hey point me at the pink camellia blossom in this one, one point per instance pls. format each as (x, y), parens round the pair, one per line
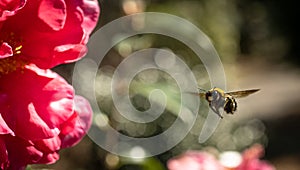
(39, 116)
(229, 160)
(47, 32)
(39, 113)
(251, 161)
(193, 160)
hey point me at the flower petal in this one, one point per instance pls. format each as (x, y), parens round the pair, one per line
(48, 145)
(194, 160)
(5, 50)
(58, 33)
(90, 14)
(3, 154)
(39, 107)
(83, 123)
(251, 159)
(21, 152)
(10, 7)
(4, 129)
(68, 53)
(49, 158)
(53, 13)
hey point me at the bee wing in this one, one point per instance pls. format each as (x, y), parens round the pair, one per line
(243, 93)
(202, 95)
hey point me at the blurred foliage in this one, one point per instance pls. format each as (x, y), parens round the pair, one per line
(239, 29)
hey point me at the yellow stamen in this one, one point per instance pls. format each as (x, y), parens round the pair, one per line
(15, 62)
(13, 40)
(18, 48)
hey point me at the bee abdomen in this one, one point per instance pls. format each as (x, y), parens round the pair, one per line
(230, 105)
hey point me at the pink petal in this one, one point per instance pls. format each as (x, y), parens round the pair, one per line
(49, 158)
(48, 145)
(21, 152)
(3, 154)
(5, 50)
(254, 152)
(69, 125)
(32, 125)
(68, 53)
(83, 123)
(4, 129)
(194, 160)
(39, 107)
(48, 49)
(184, 163)
(251, 159)
(10, 7)
(58, 30)
(53, 13)
(91, 13)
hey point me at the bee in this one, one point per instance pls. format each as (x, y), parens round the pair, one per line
(217, 99)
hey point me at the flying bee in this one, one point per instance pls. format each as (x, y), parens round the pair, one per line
(217, 99)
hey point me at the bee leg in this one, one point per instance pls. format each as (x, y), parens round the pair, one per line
(216, 111)
(220, 115)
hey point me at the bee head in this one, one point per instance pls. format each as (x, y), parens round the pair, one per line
(212, 95)
(208, 96)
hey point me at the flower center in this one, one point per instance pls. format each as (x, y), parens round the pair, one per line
(13, 40)
(12, 63)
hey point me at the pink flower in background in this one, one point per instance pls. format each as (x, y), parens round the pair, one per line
(198, 160)
(251, 161)
(39, 116)
(194, 160)
(47, 32)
